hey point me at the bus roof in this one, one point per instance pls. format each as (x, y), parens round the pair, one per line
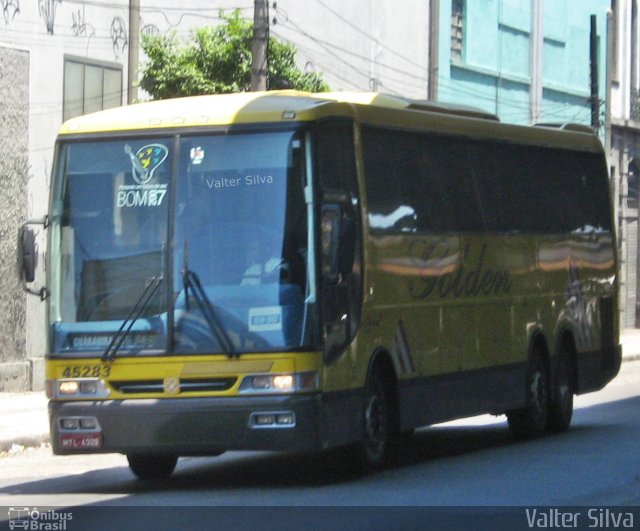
(220, 109)
(289, 105)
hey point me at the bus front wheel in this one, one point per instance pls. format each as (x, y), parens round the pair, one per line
(378, 421)
(149, 466)
(531, 421)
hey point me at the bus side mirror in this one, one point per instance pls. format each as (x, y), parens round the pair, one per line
(346, 246)
(28, 256)
(330, 233)
(338, 242)
(28, 250)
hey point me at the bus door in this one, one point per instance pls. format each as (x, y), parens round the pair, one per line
(340, 237)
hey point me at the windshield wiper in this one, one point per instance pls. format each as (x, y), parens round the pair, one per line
(141, 304)
(191, 280)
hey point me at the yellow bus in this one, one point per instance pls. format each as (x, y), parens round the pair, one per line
(294, 272)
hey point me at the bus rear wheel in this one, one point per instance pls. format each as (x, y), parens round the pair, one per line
(149, 466)
(561, 405)
(531, 421)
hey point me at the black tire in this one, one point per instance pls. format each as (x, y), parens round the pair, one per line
(378, 421)
(531, 421)
(561, 404)
(149, 466)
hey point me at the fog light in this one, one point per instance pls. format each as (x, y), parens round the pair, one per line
(264, 419)
(286, 419)
(69, 424)
(88, 423)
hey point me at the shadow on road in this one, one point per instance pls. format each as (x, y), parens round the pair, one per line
(234, 471)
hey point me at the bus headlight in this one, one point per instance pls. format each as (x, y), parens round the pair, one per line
(76, 388)
(280, 383)
(283, 382)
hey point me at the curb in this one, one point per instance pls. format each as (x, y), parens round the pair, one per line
(27, 441)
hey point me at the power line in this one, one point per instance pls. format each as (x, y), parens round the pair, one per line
(367, 35)
(295, 28)
(326, 48)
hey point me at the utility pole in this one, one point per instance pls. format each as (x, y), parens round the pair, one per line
(593, 55)
(609, 82)
(434, 36)
(259, 45)
(134, 50)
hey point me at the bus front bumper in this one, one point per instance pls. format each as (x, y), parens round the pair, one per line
(186, 426)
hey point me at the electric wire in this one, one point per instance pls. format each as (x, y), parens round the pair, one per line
(367, 35)
(520, 108)
(514, 109)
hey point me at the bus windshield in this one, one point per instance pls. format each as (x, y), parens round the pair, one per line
(198, 244)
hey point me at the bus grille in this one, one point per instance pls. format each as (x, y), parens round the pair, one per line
(195, 385)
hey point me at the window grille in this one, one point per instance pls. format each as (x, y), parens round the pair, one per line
(457, 20)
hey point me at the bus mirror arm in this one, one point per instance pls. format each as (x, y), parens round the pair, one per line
(28, 256)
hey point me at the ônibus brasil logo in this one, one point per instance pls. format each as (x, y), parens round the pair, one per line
(38, 520)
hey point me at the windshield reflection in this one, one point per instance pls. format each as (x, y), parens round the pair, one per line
(241, 229)
(108, 239)
(240, 235)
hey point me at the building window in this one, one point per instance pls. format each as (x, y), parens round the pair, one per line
(633, 179)
(90, 86)
(457, 21)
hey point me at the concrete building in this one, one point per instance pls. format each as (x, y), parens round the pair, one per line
(625, 146)
(14, 149)
(525, 60)
(57, 60)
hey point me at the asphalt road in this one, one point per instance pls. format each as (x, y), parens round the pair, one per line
(471, 463)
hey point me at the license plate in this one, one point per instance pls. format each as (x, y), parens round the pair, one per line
(81, 441)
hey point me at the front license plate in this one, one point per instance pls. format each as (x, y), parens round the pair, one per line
(81, 441)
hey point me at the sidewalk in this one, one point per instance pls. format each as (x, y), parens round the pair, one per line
(24, 420)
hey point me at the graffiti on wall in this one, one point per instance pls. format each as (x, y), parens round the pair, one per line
(80, 27)
(149, 30)
(10, 8)
(118, 33)
(47, 9)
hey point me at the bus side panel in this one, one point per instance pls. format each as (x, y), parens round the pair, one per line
(449, 396)
(447, 322)
(589, 302)
(595, 368)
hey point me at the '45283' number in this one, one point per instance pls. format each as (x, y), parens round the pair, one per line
(86, 371)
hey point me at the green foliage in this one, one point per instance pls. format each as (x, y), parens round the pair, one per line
(217, 60)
